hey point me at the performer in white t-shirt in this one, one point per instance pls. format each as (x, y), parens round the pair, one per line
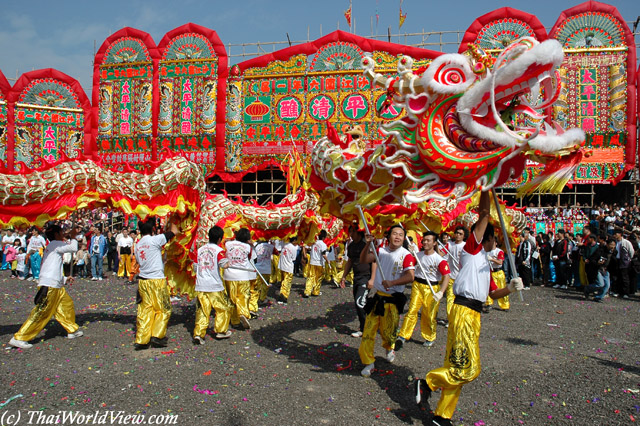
(154, 306)
(237, 276)
(471, 287)
(330, 266)
(316, 261)
(210, 292)
(263, 252)
(52, 298)
(286, 261)
(384, 308)
(496, 259)
(125, 253)
(437, 274)
(454, 250)
(275, 275)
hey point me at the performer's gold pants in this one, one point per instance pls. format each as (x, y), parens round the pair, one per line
(154, 310)
(500, 280)
(285, 288)
(331, 271)
(239, 294)
(205, 301)
(348, 278)
(275, 270)
(450, 297)
(305, 270)
(314, 280)
(258, 292)
(58, 303)
(126, 265)
(461, 361)
(388, 327)
(421, 298)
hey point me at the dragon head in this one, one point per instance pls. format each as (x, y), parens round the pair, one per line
(523, 79)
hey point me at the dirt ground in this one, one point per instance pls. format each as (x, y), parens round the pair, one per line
(553, 359)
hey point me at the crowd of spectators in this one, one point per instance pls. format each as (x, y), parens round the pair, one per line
(104, 238)
(603, 259)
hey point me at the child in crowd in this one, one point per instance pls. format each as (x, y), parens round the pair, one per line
(10, 252)
(81, 259)
(21, 262)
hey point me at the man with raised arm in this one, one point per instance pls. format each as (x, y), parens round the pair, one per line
(154, 306)
(471, 287)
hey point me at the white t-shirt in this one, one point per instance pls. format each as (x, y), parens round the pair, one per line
(496, 253)
(434, 265)
(238, 255)
(331, 254)
(394, 264)
(474, 279)
(149, 256)
(455, 250)
(125, 242)
(210, 258)
(317, 250)
(35, 243)
(21, 258)
(288, 257)
(51, 273)
(8, 239)
(263, 257)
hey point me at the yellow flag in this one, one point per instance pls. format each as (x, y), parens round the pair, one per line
(402, 18)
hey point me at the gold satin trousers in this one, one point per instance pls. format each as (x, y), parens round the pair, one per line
(388, 327)
(239, 293)
(205, 302)
(314, 280)
(461, 361)
(58, 303)
(421, 298)
(275, 270)
(154, 310)
(285, 288)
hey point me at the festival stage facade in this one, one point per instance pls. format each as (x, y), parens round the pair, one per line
(242, 123)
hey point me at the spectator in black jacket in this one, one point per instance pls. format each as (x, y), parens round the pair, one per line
(544, 248)
(523, 258)
(559, 257)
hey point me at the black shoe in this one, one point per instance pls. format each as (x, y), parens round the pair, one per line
(304, 296)
(158, 343)
(422, 390)
(140, 346)
(253, 315)
(440, 421)
(398, 345)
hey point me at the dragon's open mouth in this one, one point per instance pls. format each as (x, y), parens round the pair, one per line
(505, 106)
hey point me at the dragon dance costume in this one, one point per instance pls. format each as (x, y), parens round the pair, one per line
(52, 298)
(462, 358)
(383, 310)
(154, 306)
(210, 293)
(436, 268)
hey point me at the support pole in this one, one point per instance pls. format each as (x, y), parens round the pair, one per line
(373, 246)
(512, 262)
